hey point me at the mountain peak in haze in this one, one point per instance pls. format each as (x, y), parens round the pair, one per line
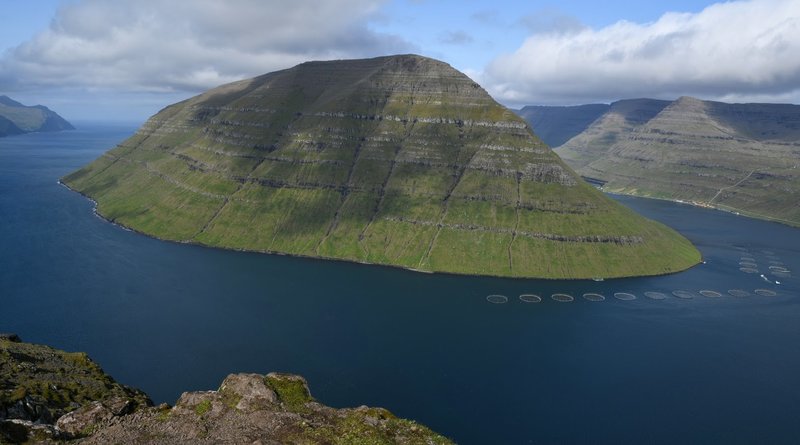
(16, 118)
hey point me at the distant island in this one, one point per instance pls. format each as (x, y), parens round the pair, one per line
(398, 160)
(53, 396)
(16, 118)
(743, 158)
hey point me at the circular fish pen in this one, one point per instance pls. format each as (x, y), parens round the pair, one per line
(739, 293)
(748, 269)
(710, 293)
(655, 295)
(497, 299)
(685, 294)
(530, 298)
(562, 298)
(765, 292)
(591, 296)
(624, 296)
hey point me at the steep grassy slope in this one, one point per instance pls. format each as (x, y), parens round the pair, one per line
(556, 125)
(739, 157)
(16, 118)
(607, 130)
(396, 160)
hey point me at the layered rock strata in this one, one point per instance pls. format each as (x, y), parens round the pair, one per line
(737, 157)
(398, 160)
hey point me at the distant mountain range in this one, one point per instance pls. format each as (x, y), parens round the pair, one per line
(16, 118)
(738, 157)
(398, 160)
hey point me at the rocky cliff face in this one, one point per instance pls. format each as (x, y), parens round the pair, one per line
(51, 396)
(739, 157)
(16, 118)
(397, 160)
(39, 385)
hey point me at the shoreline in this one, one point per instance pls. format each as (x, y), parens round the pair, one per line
(721, 208)
(353, 261)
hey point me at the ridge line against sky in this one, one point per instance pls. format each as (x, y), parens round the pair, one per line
(125, 59)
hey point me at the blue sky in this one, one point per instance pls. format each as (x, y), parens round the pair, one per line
(126, 59)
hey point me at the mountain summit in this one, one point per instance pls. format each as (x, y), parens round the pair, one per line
(398, 160)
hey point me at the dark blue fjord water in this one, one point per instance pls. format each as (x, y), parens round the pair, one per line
(166, 318)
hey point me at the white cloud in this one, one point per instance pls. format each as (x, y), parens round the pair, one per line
(189, 45)
(742, 49)
(455, 38)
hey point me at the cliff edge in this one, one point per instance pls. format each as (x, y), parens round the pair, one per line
(51, 396)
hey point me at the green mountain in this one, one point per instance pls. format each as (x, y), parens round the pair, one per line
(16, 118)
(397, 160)
(738, 157)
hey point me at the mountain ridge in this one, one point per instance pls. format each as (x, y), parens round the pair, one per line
(736, 157)
(396, 160)
(16, 118)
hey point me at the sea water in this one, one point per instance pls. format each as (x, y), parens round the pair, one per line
(168, 317)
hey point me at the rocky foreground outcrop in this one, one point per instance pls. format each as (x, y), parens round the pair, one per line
(51, 396)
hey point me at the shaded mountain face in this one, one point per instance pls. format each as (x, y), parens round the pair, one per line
(397, 160)
(608, 129)
(556, 125)
(16, 118)
(738, 157)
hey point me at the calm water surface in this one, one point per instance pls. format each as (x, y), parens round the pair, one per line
(166, 318)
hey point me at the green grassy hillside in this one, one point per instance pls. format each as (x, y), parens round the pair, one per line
(738, 157)
(398, 160)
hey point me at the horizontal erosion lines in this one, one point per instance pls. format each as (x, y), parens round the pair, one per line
(163, 127)
(146, 167)
(546, 172)
(425, 120)
(576, 209)
(606, 239)
(281, 159)
(243, 109)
